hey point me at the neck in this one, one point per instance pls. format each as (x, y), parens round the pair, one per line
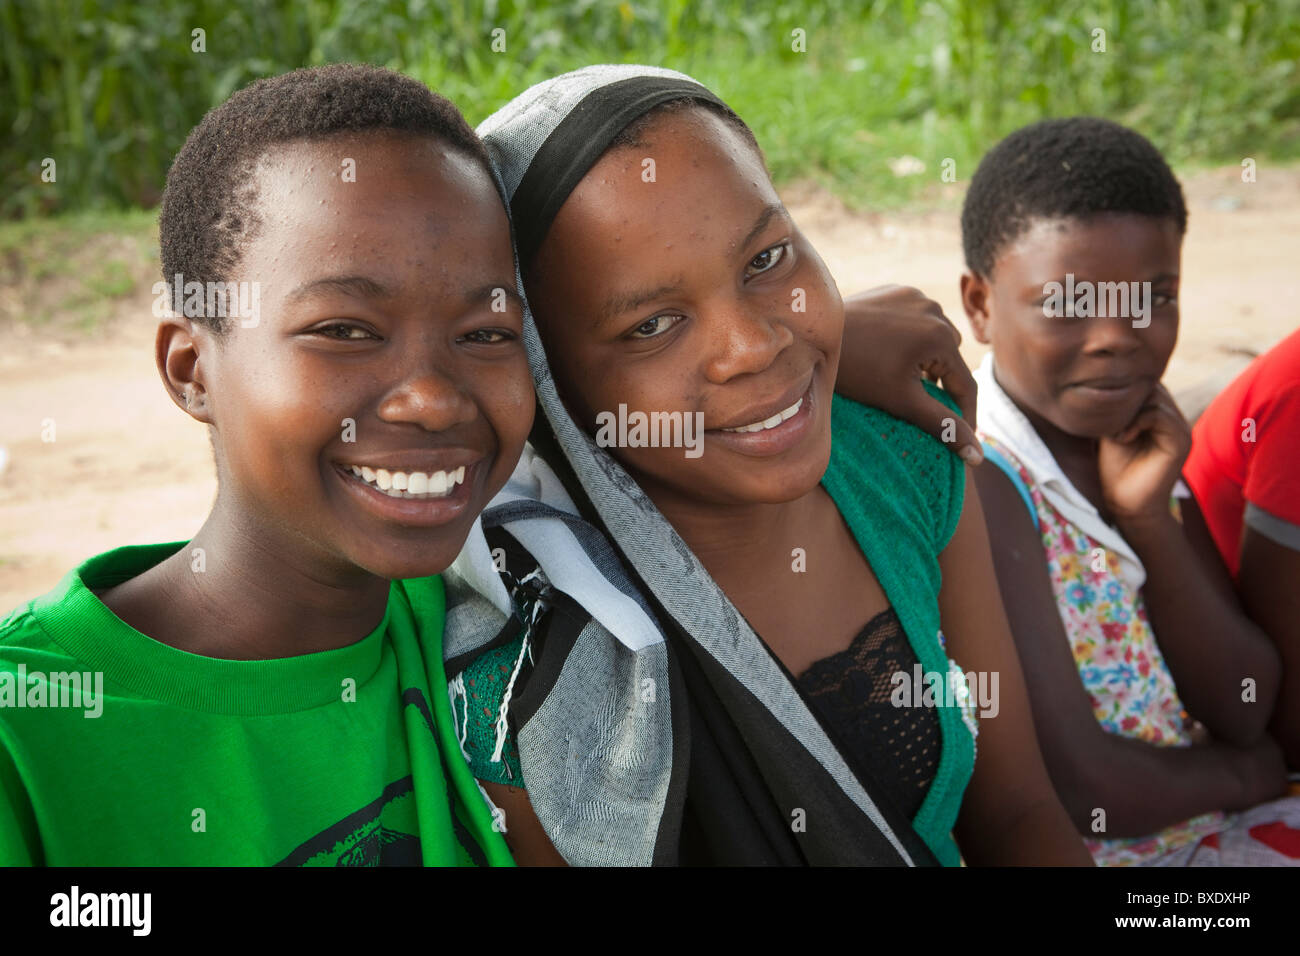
(737, 544)
(1076, 454)
(262, 595)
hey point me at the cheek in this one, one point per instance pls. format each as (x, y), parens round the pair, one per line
(571, 367)
(1037, 352)
(821, 319)
(669, 382)
(1045, 373)
(1049, 352)
(277, 422)
(591, 383)
(1167, 339)
(505, 394)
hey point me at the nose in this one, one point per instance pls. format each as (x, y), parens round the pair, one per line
(744, 343)
(430, 398)
(1111, 335)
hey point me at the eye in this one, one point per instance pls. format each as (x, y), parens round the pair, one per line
(344, 332)
(655, 325)
(489, 336)
(1159, 299)
(768, 259)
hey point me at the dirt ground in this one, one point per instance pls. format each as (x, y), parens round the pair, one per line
(127, 467)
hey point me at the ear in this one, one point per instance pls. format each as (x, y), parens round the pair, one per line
(975, 296)
(176, 352)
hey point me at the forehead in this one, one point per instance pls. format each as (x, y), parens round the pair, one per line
(1102, 244)
(363, 195)
(690, 174)
(347, 165)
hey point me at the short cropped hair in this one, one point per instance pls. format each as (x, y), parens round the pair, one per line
(209, 207)
(1063, 169)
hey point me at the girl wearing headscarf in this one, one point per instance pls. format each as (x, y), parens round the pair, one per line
(729, 652)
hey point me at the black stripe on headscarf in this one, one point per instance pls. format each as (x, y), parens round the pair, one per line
(577, 144)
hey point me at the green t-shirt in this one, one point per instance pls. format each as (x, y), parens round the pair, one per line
(150, 755)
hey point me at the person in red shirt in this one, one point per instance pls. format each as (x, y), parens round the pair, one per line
(1244, 469)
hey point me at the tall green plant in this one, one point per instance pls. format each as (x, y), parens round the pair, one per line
(109, 90)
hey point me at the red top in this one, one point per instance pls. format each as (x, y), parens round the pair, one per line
(1246, 448)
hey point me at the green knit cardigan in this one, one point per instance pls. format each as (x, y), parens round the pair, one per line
(901, 492)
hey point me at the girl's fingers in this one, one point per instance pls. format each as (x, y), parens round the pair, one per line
(944, 424)
(936, 310)
(1145, 420)
(958, 381)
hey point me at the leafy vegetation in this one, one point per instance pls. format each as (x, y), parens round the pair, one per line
(109, 90)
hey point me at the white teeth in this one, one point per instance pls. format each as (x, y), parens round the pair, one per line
(401, 484)
(772, 422)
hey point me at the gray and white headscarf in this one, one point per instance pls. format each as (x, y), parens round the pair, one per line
(608, 731)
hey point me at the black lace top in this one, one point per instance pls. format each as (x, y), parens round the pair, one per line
(850, 692)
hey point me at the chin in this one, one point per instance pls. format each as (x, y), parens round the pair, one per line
(779, 496)
(404, 562)
(779, 489)
(1097, 425)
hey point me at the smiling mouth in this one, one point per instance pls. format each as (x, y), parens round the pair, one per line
(766, 417)
(774, 435)
(412, 484)
(771, 422)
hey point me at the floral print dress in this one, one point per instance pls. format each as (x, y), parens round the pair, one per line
(1115, 650)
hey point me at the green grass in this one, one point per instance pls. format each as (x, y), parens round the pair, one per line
(109, 90)
(34, 237)
(72, 268)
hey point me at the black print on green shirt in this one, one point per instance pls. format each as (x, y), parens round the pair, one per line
(371, 836)
(368, 837)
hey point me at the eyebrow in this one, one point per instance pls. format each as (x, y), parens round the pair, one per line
(362, 287)
(764, 218)
(621, 302)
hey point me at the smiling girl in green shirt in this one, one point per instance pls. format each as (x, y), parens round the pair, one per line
(272, 690)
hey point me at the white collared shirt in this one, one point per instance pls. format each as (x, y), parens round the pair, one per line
(1002, 420)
